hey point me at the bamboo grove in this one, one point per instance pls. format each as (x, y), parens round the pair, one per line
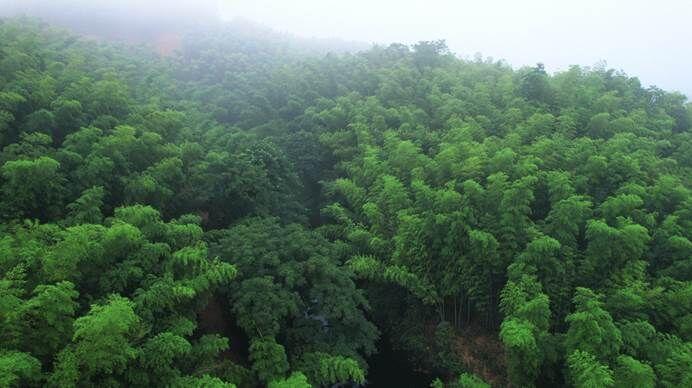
(254, 211)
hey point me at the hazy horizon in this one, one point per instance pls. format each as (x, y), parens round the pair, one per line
(644, 40)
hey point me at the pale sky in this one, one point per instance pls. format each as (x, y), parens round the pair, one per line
(648, 39)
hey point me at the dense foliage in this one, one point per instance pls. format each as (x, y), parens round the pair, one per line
(247, 213)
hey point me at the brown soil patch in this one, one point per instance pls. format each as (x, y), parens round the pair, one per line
(215, 318)
(483, 354)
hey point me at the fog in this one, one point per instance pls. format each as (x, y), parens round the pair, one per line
(646, 39)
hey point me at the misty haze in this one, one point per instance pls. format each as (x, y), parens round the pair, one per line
(643, 40)
(295, 194)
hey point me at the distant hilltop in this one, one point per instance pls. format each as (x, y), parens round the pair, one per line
(129, 12)
(159, 23)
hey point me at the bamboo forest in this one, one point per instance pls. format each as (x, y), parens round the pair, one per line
(250, 209)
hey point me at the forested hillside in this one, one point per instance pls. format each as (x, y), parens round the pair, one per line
(254, 212)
